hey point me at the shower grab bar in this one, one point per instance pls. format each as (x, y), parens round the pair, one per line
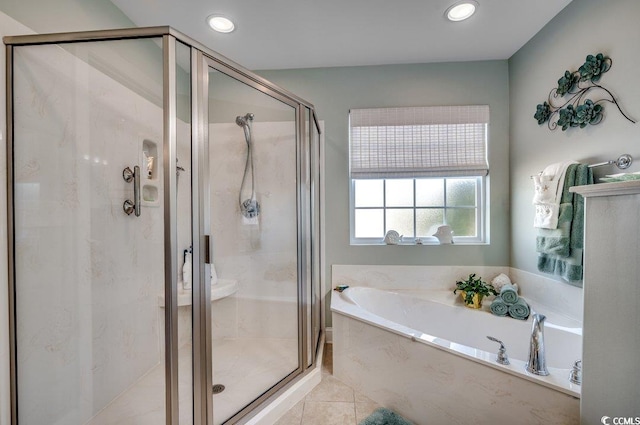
(128, 206)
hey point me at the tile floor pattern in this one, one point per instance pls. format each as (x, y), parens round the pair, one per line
(329, 403)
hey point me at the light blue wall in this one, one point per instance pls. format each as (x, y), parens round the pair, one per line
(335, 90)
(584, 27)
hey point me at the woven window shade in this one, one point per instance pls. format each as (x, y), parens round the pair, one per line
(419, 141)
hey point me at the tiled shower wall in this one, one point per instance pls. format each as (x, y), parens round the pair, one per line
(260, 254)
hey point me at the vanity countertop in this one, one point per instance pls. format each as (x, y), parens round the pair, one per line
(631, 187)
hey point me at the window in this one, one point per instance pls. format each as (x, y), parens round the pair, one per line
(414, 169)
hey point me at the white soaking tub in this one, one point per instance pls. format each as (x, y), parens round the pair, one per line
(426, 355)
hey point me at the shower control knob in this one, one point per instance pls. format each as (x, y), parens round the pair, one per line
(127, 174)
(128, 207)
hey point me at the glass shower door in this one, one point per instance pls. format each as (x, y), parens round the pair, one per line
(163, 203)
(253, 146)
(89, 232)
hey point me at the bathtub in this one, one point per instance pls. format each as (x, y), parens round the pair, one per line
(426, 355)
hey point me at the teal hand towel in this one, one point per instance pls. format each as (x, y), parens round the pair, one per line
(560, 250)
(509, 294)
(519, 310)
(499, 307)
(557, 241)
(383, 416)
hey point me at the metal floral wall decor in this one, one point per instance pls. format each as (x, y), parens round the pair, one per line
(569, 103)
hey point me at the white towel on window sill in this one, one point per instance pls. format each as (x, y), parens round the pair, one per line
(548, 187)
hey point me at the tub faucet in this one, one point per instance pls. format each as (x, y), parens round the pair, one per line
(537, 363)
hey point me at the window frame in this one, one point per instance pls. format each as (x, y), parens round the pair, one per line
(481, 213)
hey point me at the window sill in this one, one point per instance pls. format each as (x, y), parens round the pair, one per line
(412, 243)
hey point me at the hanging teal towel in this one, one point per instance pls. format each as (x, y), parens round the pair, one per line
(519, 310)
(509, 294)
(560, 250)
(499, 307)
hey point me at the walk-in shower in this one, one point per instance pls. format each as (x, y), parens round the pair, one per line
(103, 330)
(249, 207)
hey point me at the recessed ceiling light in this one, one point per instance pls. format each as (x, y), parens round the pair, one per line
(461, 10)
(220, 23)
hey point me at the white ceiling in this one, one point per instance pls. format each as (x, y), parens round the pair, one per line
(279, 34)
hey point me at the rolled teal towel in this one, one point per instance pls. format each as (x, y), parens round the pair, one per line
(499, 307)
(509, 294)
(519, 310)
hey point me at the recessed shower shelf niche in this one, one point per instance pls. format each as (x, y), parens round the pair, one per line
(150, 161)
(224, 288)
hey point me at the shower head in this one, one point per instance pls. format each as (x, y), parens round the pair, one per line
(243, 121)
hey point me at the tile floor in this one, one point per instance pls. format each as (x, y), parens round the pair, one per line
(331, 402)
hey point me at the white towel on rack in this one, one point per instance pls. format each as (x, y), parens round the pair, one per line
(546, 216)
(548, 187)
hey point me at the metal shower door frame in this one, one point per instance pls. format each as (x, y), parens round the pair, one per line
(251, 80)
(201, 59)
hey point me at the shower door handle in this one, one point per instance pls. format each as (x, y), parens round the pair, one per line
(132, 206)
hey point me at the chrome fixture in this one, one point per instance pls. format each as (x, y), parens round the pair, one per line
(132, 206)
(179, 169)
(244, 121)
(575, 376)
(250, 207)
(623, 162)
(217, 388)
(502, 351)
(537, 363)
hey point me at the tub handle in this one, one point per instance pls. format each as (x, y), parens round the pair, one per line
(502, 351)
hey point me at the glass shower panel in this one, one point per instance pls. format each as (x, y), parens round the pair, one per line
(89, 322)
(254, 228)
(183, 224)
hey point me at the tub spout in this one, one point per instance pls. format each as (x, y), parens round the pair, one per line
(537, 363)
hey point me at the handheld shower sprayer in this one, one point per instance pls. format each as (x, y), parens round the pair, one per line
(249, 207)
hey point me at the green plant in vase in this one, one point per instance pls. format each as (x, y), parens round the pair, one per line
(473, 289)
